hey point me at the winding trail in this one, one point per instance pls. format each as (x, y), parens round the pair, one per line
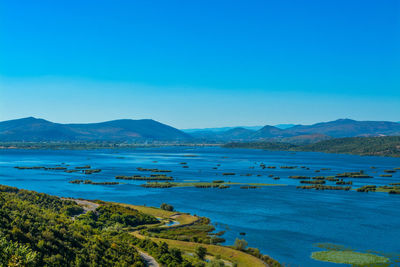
(149, 260)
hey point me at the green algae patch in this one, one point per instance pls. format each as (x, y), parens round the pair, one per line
(349, 257)
(202, 184)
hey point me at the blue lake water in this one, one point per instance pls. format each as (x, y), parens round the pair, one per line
(282, 221)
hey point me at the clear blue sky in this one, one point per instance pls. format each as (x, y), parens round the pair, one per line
(201, 63)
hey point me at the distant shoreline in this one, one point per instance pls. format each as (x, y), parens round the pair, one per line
(93, 145)
(385, 146)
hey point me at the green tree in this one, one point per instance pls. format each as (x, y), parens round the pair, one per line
(201, 252)
(14, 254)
(240, 244)
(167, 207)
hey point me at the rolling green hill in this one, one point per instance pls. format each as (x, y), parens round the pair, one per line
(37, 229)
(388, 146)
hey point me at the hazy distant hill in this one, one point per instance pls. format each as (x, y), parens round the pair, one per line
(268, 132)
(284, 126)
(234, 134)
(348, 128)
(303, 134)
(222, 129)
(32, 129)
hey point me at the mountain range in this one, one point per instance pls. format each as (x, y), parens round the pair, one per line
(303, 134)
(126, 130)
(32, 129)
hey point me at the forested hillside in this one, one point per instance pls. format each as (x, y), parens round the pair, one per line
(42, 230)
(388, 146)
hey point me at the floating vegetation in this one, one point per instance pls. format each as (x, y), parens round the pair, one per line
(158, 185)
(218, 181)
(389, 171)
(228, 173)
(151, 170)
(157, 170)
(93, 183)
(312, 182)
(340, 254)
(76, 181)
(318, 178)
(367, 188)
(341, 182)
(249, 187)
(359, 174)
(83, 167)
(299, 177)
(332, 179)
(288, 167)
(385, 175)
(393, 188)
(70, 171)
(207, 185)
(349, 257)
(90, 171)
(202, 185)
(29, 168)
(324, 187)
(325, 169)
(276, 178)
(246, 174)
(41, 168)
(160, 177)
(271, 167)
(271, 175)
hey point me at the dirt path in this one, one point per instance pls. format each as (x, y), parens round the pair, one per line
(86, 205)
(149, 260)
